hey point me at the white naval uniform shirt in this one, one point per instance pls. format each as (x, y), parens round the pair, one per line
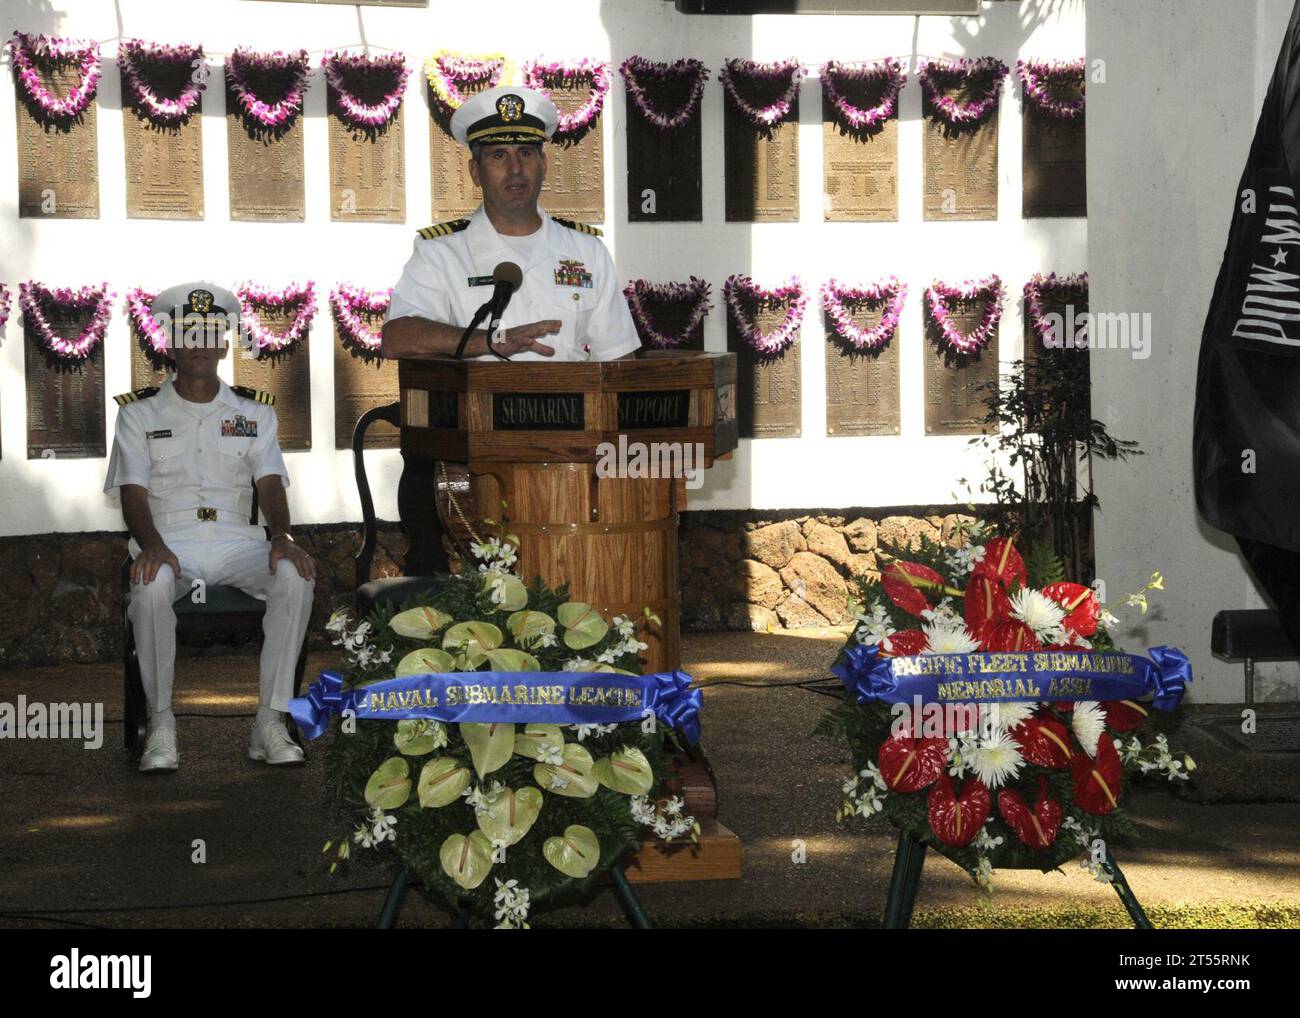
(192, 456)
(448, 277)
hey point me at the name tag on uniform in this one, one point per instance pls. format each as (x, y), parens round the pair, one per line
(165, 433)
(480, 280)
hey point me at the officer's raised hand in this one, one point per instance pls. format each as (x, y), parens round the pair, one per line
(283, 548)
(525, 337)
(145, 566)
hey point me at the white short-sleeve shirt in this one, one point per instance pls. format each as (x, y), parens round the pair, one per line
(191, 456)
(570, 277)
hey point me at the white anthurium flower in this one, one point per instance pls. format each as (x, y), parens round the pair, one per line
(996, 759)
(1088, 721)
(1038, 611)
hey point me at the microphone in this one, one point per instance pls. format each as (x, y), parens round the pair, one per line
(506, 279)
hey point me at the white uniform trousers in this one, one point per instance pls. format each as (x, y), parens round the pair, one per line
(220, 554)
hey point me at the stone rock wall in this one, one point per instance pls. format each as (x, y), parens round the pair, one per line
(764, 571)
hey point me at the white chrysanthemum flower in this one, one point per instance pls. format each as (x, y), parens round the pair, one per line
(945, 638)
(1038, 611)
(1005, 716)
(996, 759)
(1088, 721)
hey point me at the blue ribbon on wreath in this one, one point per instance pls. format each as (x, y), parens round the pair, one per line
(988, 676)
(556, 698)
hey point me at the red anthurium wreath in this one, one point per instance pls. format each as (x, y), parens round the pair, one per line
(349, 303)
(36, 300)
(346, 72)
(837, 298)
(141, 61)
(448, 73)
(742, 295)
(646, 76)
(1018, 783)
(255, 299)
(835, 75)
(739, 75)
(26, 51)
(1044, 81)
(937, 75)
(243, 64)
(940, 295)
(640, 292)
(537, 74)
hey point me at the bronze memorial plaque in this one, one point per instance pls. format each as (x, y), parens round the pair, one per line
(762, 167)
(164, 162)
(266, 163)
(961, 167)
(575, 179)
(58, 160)
(367, 170)
(286, 374)
(769, 401)
(1066, 307)
(147, 366)
(65, 399)
(663, 166)
(862, 394)
(1054, 164)
(453, 195)
(362, 380)
(860, 166)
(955, 384)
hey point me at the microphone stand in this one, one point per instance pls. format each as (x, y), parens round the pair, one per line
(479, 315)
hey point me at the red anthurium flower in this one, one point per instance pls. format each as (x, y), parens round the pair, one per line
(1038, 827)
(1011, 635)
(1097, 782)
(1003, 562)
(956, 819)
(1125, 715)
(1080, 604)
(984, 605)
(905, 584)
(904, 643)
(1044, 742)
(908, 765)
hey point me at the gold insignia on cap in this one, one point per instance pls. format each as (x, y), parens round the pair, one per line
(510, 108)
(201, 300)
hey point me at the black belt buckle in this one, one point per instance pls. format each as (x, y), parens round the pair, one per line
(208, 515)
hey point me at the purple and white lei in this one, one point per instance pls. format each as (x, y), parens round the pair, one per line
(25, 50)
(138, 302)
(446, 71)
(940, 294)
(349, 303)
(243, 62)
(255, 298)
(536, 73)
(890, 292)
(736, 71)
(340, 67)
(636, 68)
(696, 292)
(1037, 78)
(5, 298)
(1062, 287)
(935, 73)
(33, 298)
(889, 71)
(740, 290)
(136, 57)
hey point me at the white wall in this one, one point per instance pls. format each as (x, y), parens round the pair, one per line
(41, 496)
(1185, 87)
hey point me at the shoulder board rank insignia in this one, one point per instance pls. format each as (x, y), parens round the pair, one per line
(443, 229)
(138, 394)
(256, 395)
(580, 227)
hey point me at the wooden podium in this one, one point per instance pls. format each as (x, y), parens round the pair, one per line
(542, 438)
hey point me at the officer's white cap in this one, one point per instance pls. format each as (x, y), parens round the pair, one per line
(505, 115)
(176, 303)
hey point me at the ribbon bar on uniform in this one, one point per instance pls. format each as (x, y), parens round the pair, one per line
(557, 698)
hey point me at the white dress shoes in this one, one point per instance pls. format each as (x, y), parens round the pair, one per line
(271, 743)
(160, 750)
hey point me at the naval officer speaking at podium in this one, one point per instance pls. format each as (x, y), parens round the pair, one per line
(568, 306)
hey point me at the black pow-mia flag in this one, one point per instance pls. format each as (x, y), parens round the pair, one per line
(1246, 432)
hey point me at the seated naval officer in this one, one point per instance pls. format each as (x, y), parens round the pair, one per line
(569, 305)
(185, 457)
